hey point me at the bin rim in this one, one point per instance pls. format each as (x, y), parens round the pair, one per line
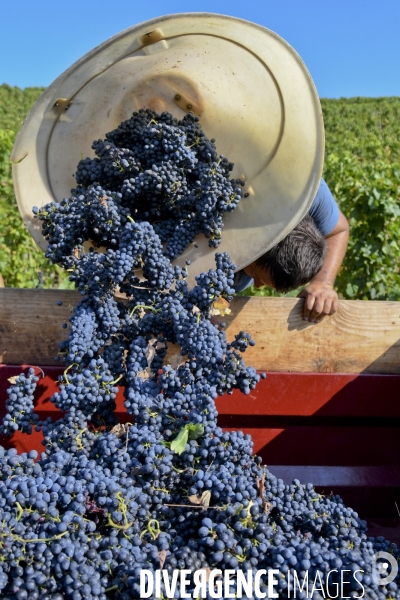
(281, 189)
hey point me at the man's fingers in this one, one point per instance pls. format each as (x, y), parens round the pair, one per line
(318, 304)
(326, 310)
(328, 307)
(318, 308)
(334, 306)
(308, 304)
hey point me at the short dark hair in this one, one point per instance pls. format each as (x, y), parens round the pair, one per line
(297, 258)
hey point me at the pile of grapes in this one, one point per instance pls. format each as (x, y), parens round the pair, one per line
(171, 490)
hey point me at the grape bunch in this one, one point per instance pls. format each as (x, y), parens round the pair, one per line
(168, 489)
(155, 169)
(19, 405)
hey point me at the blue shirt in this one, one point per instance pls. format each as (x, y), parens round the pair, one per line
(325, 213)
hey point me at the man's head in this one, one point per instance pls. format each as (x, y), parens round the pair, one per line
(294, 261)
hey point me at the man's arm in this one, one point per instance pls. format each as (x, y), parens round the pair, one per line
(320, 299)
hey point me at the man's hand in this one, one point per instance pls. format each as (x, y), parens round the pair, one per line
(320, 300)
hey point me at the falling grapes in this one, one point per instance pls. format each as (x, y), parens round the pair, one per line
(19, 405)
(170, 488)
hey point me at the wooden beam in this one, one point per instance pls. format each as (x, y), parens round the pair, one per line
(31, 324)
(360, 337)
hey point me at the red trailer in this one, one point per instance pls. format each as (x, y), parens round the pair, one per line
(328, 412)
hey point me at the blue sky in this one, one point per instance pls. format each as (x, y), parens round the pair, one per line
(351, 47)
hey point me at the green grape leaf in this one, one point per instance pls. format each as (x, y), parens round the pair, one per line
(189, 431)
(195, 431)
(178, 445)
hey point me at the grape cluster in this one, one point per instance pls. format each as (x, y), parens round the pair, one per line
(154, 169)
(169, 488)
(19, 405)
